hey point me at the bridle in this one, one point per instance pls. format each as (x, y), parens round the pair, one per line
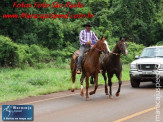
(100, 50)
(117, 53)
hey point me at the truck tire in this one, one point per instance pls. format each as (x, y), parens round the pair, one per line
(134, 83)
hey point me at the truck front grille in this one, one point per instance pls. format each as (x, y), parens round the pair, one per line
(147, 66)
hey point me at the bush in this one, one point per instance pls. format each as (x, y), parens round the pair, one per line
(18, 55)
(159, 43)
(33, 55)
(133, 50)
(64, 54)
(8, 52)
(39, 54)
(23, 56)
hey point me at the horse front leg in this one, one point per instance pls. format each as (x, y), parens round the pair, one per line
(119, 82)
(105, 78)
(96, 85)
(87, 86)
(81, 83)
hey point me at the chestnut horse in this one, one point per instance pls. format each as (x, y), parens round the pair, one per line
(112, 65)
(90, 65)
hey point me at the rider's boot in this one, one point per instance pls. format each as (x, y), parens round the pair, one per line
(78, 70)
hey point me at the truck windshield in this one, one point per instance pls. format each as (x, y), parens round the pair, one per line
(152, 52)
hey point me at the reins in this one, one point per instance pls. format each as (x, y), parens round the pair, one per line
(115, 53)
(98, 50)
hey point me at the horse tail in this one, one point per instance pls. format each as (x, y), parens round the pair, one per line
(73, 71)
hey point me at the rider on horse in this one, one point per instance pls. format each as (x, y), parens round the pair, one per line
(87, 38)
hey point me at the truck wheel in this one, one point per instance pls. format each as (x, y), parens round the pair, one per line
(134, 83)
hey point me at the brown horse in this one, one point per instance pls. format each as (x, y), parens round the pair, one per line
(112, 65)
(90, 65)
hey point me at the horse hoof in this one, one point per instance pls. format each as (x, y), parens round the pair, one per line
(106, 92)
(81, 94)
(87, 99)
(110, 96)
(72, 90)
(91, 93)
(117, 94)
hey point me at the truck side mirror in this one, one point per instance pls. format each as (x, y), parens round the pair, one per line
(136, 57)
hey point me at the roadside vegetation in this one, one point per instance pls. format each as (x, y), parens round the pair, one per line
(17, 83)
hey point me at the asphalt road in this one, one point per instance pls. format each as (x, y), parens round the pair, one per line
(133, 105)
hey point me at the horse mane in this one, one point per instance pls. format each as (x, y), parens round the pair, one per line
(115, 47)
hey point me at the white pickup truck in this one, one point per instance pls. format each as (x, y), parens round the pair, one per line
(147, 66)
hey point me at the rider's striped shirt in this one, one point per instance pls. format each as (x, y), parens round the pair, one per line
(86, 36)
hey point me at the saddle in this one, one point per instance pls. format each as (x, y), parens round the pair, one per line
(76, 53)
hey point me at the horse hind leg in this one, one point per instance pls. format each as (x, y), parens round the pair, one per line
(92, 79)
(73, 73)
(73, 81)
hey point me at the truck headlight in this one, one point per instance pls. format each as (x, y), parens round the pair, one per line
(161, 66)
(133, 66)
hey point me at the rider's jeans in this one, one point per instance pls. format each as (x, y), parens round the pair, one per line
(82, 49)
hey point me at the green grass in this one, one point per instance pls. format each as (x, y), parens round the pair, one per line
(18, 83)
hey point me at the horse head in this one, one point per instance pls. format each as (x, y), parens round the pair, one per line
(102, 45)
(122, 46)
